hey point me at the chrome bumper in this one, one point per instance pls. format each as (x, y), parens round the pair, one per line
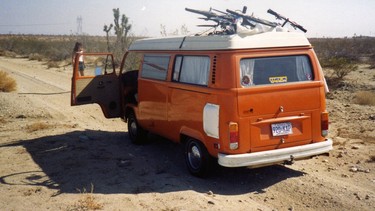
(270, 157)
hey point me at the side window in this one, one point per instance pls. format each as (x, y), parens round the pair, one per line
(192, 69)
(155, 67)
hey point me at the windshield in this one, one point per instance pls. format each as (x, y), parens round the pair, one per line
(275, 70)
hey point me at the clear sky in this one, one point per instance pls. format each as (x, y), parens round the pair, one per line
(328, 18)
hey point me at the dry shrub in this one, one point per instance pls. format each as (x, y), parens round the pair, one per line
(87, 202)
(35, 56)
(341, 66)
(37, 126)
(8, 54)
(7, 84)
(365, 98)
(52, 64)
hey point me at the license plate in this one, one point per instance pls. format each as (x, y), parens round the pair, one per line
(281, 129)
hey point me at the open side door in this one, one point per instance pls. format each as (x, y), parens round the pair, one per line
(99, 83)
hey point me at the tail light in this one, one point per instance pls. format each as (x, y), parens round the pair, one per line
(233, 135)
(324, 124)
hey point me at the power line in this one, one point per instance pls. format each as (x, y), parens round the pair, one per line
(33, 24)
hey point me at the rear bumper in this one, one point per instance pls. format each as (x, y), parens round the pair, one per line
(271, 157)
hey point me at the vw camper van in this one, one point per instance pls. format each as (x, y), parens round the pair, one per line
(253, 100)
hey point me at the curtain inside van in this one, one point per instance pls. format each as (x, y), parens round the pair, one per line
(195, 70)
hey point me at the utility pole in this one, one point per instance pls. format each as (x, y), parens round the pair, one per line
(79, 34)
(79, 25)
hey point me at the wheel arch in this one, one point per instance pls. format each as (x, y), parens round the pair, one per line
(187, 132)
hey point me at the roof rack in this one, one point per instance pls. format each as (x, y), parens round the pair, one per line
(237, 22)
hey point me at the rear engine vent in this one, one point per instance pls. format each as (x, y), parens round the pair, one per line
(213, 79)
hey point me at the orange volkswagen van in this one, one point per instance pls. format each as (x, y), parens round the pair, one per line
(251, 101)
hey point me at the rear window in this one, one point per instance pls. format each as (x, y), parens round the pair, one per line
(275, 70)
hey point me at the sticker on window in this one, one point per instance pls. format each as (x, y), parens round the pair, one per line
(246, 80)
(278, 79)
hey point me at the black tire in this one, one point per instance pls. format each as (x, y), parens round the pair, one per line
(197, 158)
(136, 133)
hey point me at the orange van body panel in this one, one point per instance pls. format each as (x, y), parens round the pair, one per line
(174, 110)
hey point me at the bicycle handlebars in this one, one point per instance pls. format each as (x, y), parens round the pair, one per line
(286, 20)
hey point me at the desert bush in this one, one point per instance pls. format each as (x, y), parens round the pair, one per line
(49, 47)
(58, 54)
(35, 56)
(341, 67)
(365, 98)
(7, 84)
(55, 47)
(8, 54)
(52, 64)
(349, 48)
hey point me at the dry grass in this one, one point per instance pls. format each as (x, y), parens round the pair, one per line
(87, 202)
(37, 126)
(365, 98)
(7, 84)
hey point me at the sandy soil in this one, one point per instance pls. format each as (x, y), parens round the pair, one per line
(57, 157)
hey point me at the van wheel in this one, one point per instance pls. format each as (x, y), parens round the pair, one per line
(197, 158)
(137, 134)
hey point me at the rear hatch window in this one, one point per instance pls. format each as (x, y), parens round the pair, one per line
(275, 70)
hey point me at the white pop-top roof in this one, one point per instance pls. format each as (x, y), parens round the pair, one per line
(223, 42)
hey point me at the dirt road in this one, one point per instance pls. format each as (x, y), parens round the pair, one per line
(57, 157)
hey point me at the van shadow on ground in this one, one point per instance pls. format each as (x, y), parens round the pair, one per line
(107, 160)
